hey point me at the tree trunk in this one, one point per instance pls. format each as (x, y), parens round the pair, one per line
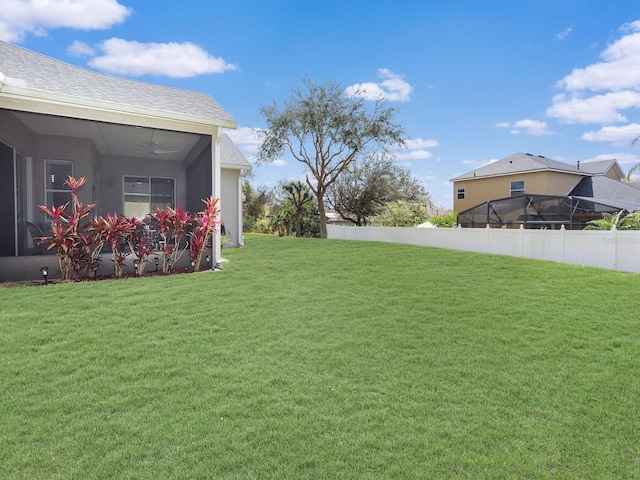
(298, 215)
(323, 218)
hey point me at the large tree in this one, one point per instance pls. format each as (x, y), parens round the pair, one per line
(327, 130)
(369, 184)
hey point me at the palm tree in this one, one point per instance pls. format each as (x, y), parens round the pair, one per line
(619, 221)
(298, 194)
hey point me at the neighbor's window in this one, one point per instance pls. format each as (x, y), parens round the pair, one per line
(517, 188)
(142, 194)
(56, 173)
(461, 192)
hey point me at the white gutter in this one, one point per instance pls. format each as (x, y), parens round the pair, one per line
(16, 96)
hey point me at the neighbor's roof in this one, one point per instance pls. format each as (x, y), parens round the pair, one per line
(230, 155)
(37, 72)
(526, 162)
(609, 192)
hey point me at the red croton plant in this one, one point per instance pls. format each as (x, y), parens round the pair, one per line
(78, 241)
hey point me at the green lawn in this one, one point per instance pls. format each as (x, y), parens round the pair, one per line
(326, 359)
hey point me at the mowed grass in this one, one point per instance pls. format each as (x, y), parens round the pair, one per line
(326, 359)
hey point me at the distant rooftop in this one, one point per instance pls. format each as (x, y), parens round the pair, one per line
(526, 162)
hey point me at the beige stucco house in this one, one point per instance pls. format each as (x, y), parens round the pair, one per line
(537, 191)
(137, 145)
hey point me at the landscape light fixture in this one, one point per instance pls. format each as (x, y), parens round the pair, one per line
(157, 262)
(193, 265)
(95, 267)
(170, 263)
(45, 274)
(208, 261)
(136, 264)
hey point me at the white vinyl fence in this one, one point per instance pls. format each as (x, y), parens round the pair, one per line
(612, 249)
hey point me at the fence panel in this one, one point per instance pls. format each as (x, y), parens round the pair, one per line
(603, 249)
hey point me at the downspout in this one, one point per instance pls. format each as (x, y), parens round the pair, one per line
(215, 192)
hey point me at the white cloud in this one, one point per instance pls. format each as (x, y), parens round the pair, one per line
(416, 149)
(564, 34)
(246, 139)
(177, 60)
(80, 49)
(622, 158)
(393, 88)
(618, 70)
(414, 143)
(415, 155)
(596, 109)
(530, 127)
(19, 18)
(622, 134)
(602, 91)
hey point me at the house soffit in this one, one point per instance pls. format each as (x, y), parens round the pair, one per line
(115, 139)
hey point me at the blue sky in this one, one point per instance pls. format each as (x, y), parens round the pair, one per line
(475, 81)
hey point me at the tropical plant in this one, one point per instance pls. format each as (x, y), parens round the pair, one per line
(69, 238)
(298, 194)
(139, 244)
(204, 225)
(114, 231)
(616, 221)
(171, 224)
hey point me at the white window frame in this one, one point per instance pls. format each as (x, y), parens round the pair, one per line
(517, 191)
(47, 162)
(148, 195)
(461, 193)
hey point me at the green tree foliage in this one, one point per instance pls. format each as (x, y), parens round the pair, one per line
(256, 204)
(298, 195)
(326, 130)
(619, 221)
(445, 220)
(285, 221)
(369, 184)
(402, 214)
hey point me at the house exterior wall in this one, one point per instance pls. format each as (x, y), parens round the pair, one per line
(481, 190)
(613, 174)
(230, 206)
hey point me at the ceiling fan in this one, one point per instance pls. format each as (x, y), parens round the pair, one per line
(156, 150)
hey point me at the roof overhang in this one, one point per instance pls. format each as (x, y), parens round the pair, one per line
(14, 95)
(618, 204)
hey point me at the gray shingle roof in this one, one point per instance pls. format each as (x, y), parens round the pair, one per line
(45, 74)
(526, 162)
(599, 167)
(609, 192)
(230, 155)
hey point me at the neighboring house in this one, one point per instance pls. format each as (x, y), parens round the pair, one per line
(538, 191)
(137, 145)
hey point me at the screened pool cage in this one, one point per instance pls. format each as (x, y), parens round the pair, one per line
(535, 211)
